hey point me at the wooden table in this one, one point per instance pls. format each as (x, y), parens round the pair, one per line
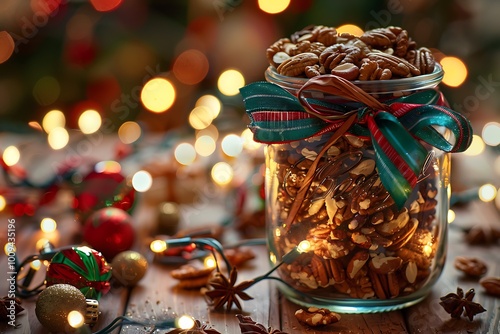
(157, 294)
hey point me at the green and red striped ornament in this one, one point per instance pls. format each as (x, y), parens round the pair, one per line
(82, 267)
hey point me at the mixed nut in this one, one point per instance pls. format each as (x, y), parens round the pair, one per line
(378, 54)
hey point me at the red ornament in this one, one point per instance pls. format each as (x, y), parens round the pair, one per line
(100, 190)
(109, 231)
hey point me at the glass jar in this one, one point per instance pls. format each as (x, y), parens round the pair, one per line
(359, 251)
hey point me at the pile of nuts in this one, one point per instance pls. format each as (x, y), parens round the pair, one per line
(378, 54)
(361, 245)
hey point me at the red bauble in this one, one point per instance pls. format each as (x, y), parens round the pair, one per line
(109, 231)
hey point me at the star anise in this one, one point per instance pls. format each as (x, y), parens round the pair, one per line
(222, 291)
(248, 326)
(198, 328)
(5, 303)
(456, 304)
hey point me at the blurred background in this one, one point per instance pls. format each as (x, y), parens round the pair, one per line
(132, 67)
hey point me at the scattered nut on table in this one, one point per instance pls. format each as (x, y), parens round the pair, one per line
(471, 266)
(315, 317)
(491, 285)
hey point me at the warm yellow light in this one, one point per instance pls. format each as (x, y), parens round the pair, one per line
(7, 46)
(11, 156)
(48, 225)
(185, 322)
(455, 71)
(248, 142)
(230, 82)
(451, 216)
(158, 246)
(210, 131)
(158, 95)
(41, 243)
(491, 133)
(273, 6)
(222, 173)
(129, 132)
(351, 29)
(427, 250)
(487, 192)
(211, 102)
(9, 248)
(3, 203)
(89, 121)
(277, 232)
(75, 319)
(185, 154)
(200, 117)
(209, 262)
(272, 258)
(108, 167)
(58, 138)
(53, 119)
(142, 181)
(37, 264)
(232, 145)
(476, 147)
(205, 146)
(303, 246)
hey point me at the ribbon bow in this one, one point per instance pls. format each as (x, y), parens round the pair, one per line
(396, 127)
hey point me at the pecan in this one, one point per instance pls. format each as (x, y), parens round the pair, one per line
(385, 264)
(347, 71)
(314, 70)
(395, 225)
(380, 38)
(339, 54)
(296, 65)
(470, 266)
(398, 66)
(315, 317)
(491, 285)
(370, 70)
(303, 34)
(274, 48)
(423, 59)
(325, 35)
(356, 263)
(306, 46)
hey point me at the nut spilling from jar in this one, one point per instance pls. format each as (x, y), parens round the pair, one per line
(361, 245)
(378, 54)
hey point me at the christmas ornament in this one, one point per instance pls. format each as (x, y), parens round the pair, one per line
(55, 303)
(129, 267)
(82, 267)
(109, 231)
(100, 189)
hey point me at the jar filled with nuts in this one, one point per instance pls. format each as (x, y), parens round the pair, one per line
(357, 167)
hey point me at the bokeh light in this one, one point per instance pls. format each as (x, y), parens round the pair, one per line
(455, 71)
(3, 203)
(205, 146)
(53, 119)
(185, 154)
(222, 173)
(273, 6)
(108, 167)
(75, 319)
(7, 46)
(142, 181)
(190, 67)
(48, 225)
(232, 145)
(491, 133)
(211, 102)
(230, 82)
(129, 132)
(351, 29)
(185, 322)
(158, 246)
(105, 5)
(89, 121)
(451, 216)
(248, 142)
(487, 192)
(210, 130)
(200, 117)
(209, 262)
(476, 147)
(158, 95)
(58, 138)
(11, 155)
(46, 90)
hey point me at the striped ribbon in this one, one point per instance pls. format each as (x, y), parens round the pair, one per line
(397, 127)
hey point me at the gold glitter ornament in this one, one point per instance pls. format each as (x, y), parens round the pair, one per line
(129, 267)
(55, 303)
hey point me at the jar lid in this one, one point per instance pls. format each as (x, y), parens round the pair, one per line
(392, 86)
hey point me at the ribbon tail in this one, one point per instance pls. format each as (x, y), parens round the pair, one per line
(400, 158)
